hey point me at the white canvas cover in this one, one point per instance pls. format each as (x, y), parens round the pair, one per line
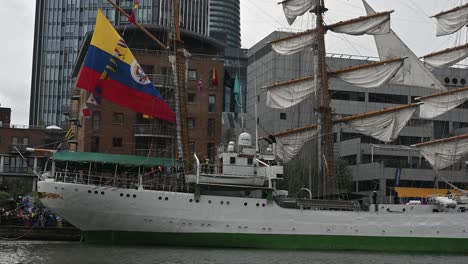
(384, 127)
(284, 96)
(295, 8)
(451, 22)
(373, 26)
(446, 59)
(371, 77)
(413, 72)
(437, 105)
(445, 154)
(294, 44)
(288, 146)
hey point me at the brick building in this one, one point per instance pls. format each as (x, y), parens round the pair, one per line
(114, 129)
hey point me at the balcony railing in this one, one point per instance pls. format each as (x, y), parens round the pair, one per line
(159, 153)
(20, 170)
(153, 130)
(75, 93)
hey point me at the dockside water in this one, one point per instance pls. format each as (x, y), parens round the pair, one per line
(44, 252)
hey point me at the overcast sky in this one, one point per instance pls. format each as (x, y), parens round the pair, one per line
(258, 18)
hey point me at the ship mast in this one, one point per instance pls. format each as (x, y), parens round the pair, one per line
(329, 183)
(182, 99)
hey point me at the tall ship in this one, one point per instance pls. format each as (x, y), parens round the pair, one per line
(236, 201)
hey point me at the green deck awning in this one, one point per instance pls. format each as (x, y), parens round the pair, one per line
(113, 159)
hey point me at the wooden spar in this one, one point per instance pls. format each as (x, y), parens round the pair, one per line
(308, 78)
(440, 141)
(451, 10)
(294, 36)
(180, 63)
(445, 93)
(364, 66)
(359, 19)
(446, 51)
(295, 131)
(375, 113)
(147, 33)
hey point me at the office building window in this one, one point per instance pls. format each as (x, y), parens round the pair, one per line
(95, 144)
(211, 127)
(191, 98)
(192, 74)
(117, 142)
(96, 120)
(14, 140)
(191, 122)
(283, 116)
(211, 103)
(117, 118)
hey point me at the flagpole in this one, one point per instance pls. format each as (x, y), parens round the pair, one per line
(241, 107)
(256, 118)
(147, 33)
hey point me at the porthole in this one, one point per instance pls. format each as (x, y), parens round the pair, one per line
(209, 201)
(76, 190)
(263, 205)
(102, 193)
(462, 81)
(96, 192)
(89, 191)
(191, 200)
(166, 198)
(197, 201)
(221, 202)
(227, 202)
(404, 209)
(257, 204)
(454, 80)
(245, 204)
(128, 195)
(447, 80)
(121, 194)
(159, 198)
(134, 196)
(388, 209)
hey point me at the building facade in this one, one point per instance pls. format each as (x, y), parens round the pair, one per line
(224, 23)
(117, 130)
(372, 163)
(60, 28)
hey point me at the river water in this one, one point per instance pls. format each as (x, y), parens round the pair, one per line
(38, 252)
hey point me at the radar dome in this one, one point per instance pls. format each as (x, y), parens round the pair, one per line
(231, 146)
(245, 139)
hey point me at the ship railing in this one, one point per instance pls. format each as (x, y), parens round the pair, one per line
(174, 182)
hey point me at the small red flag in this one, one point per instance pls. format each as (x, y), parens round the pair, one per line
(131, 18)
(214, 79)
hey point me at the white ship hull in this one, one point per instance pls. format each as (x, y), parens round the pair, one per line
(179, 219)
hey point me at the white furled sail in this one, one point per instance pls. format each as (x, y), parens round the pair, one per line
(287, 94)
(289, 143)
(295, 8)
(294, 43)
(452, 20)
(437, 104)
(370, 75)
(377, 24)
(384, 125)
(446, 57)
(413, 72)
(443, 153)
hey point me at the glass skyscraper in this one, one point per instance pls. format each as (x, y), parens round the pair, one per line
(60, 28)
(225, 21)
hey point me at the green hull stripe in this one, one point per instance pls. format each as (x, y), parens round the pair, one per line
(275, 241)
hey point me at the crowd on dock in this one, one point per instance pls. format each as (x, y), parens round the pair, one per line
(22, 212)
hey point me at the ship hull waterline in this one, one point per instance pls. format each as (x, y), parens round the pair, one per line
(141, 217)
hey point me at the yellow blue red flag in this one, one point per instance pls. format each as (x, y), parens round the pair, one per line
(111, 71)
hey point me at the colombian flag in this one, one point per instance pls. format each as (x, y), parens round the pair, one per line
(110, 71)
